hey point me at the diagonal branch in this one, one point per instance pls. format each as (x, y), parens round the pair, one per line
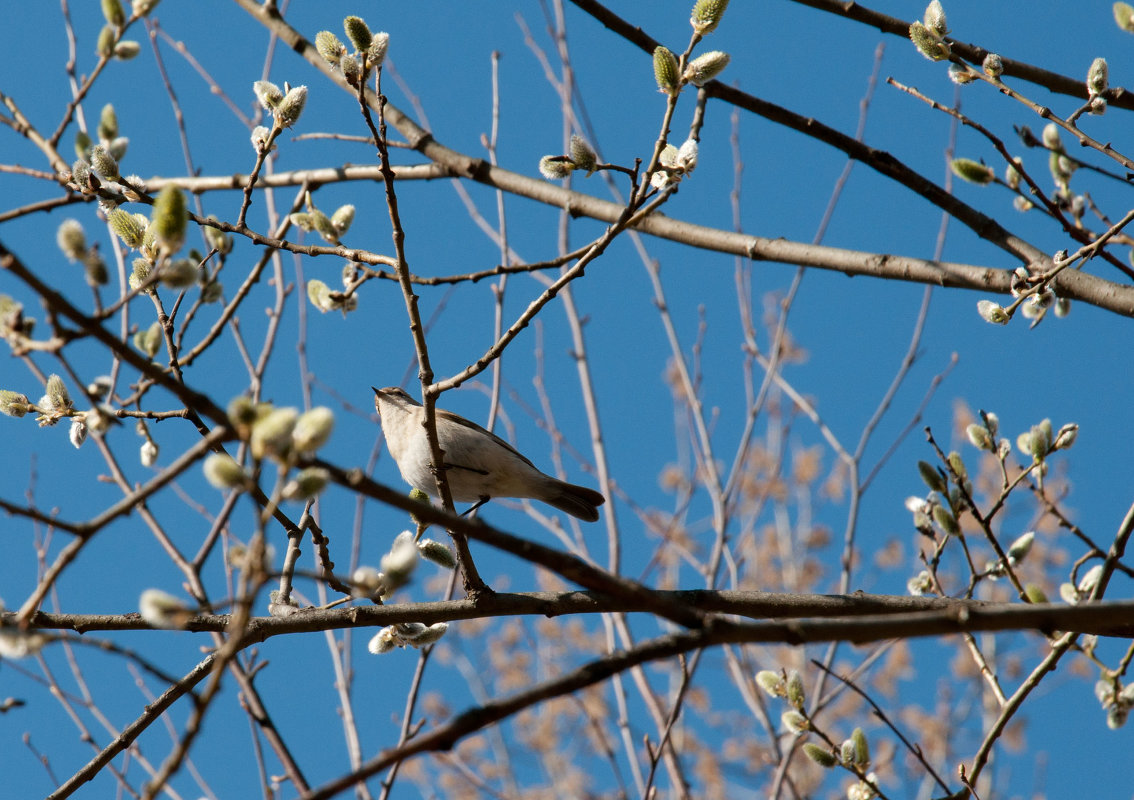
(885, 163)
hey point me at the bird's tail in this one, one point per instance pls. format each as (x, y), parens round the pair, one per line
(578, 501)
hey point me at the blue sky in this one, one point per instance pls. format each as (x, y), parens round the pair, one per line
(855, 331)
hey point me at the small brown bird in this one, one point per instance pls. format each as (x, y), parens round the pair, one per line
(480, 465)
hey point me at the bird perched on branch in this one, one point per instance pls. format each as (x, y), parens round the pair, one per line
(479, 465)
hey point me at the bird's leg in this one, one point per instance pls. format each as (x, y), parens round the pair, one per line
(483, 499)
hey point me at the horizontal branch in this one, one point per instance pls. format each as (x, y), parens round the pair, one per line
(1074, 285)
(717, 632)
(784, 618)
(298, 177)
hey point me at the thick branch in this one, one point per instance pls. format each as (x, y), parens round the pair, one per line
(1053, 81)
(786, 617)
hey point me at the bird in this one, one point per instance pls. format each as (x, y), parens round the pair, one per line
(479, 464)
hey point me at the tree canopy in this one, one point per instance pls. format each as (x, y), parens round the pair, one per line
(827, 302)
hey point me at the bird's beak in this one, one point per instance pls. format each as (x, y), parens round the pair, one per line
(375, 390)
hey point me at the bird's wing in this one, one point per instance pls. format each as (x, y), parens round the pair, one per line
(472, 425)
